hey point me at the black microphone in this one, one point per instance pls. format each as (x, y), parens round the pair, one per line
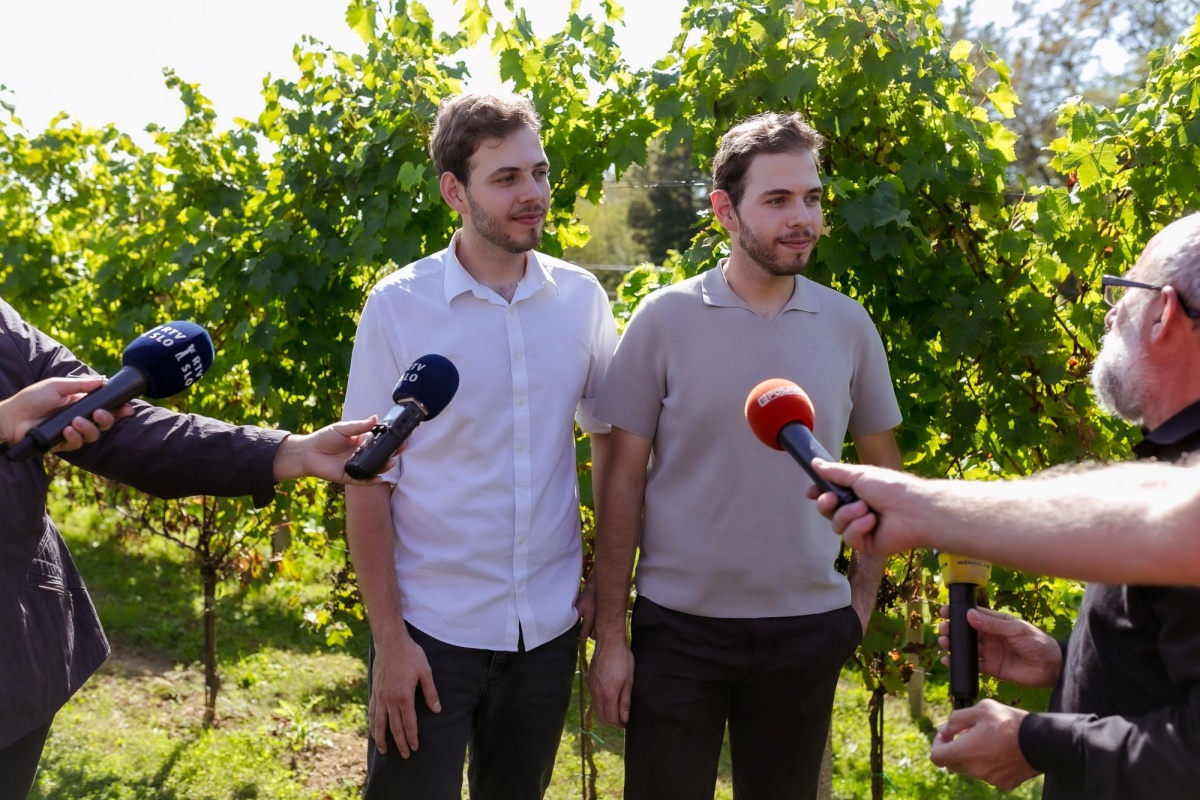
(424, 390)
(781, 416)
(161, 362)
(963, 577)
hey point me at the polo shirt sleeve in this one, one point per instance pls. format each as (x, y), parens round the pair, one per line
(600, 355)
(872, 395)
(372, 372)
(636, 384)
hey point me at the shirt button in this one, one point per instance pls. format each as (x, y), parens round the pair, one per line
(521, 540)
(516, 356)
(521, 402)
(521, 449)
(522, 495)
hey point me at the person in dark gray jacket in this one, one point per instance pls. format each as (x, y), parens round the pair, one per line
(51, 638)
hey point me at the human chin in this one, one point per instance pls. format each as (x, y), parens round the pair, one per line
(1117, 379)
(770, 255)
(530, 238)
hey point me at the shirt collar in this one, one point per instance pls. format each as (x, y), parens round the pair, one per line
(715, 290)
(458, 280)
(1183, 425)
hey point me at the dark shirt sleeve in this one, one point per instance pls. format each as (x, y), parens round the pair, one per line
(1154, 755)
(173, 455)
(157, 451)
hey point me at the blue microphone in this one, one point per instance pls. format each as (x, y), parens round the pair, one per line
(424, 390)
(161, 362)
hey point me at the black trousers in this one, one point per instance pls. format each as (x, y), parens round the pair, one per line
(772, 679)
(19, 763)
(506, 710)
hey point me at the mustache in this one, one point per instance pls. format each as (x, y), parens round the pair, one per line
(798, 237)
(520, 212)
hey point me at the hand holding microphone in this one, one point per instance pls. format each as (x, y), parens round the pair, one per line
(161, 362)
(781, 416)
(25, 409)
(422, 393)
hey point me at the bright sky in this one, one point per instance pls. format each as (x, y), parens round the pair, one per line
(102, 62)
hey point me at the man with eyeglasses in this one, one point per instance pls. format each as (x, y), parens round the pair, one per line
(1124, 718)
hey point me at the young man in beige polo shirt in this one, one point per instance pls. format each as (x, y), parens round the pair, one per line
(740, 616)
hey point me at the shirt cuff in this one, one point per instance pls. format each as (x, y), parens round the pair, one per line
(585, 415)
(1050, 743)
(265, 442)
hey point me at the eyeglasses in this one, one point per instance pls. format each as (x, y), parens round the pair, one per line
(1114, 290)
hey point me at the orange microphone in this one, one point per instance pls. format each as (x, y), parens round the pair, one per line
(781, 416)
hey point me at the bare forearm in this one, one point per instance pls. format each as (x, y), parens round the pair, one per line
(866, 569)
(865, 573)
(622, 488)
(369, 531)
(618, 532)
(1132, 523)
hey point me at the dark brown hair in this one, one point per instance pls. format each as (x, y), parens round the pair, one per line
(468, 120)
(764, 133)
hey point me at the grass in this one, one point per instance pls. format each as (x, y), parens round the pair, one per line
(291, 721)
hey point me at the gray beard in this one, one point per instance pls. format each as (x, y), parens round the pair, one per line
(1118, 378)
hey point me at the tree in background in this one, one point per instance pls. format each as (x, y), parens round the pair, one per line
(671, 207)
(1058, 51)
(987, 303)
(274, 254)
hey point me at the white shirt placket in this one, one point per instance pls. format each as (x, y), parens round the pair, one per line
(522, 465)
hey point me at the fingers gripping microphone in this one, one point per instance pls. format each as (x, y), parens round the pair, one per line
(161, 362)
(781, 416)
(422, 393)
(963, 577)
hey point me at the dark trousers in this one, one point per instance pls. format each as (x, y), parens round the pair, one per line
(771, 679)
(19, 763)
(505, 710)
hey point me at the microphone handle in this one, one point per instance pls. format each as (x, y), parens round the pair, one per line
(804, 447)
(128, 383)
(386, 438)
(964, 646)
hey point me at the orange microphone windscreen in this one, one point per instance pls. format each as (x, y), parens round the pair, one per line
(773, 404)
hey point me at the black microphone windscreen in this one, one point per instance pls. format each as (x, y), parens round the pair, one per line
(172, 357)
(431, 380)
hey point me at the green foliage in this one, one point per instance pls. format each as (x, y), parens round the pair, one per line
(270, 234)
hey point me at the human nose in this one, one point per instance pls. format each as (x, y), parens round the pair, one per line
(530, 189)
(802, 217)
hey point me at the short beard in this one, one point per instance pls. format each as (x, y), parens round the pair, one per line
(491, 229)
(762, 252)
(1119, 378)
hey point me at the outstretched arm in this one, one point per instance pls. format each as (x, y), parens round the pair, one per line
(323, 454)
(1129, 523)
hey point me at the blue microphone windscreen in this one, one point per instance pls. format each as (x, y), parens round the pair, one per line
(172, 357)
(430, 380)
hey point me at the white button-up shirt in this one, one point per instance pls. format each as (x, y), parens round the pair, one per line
(486, 515)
